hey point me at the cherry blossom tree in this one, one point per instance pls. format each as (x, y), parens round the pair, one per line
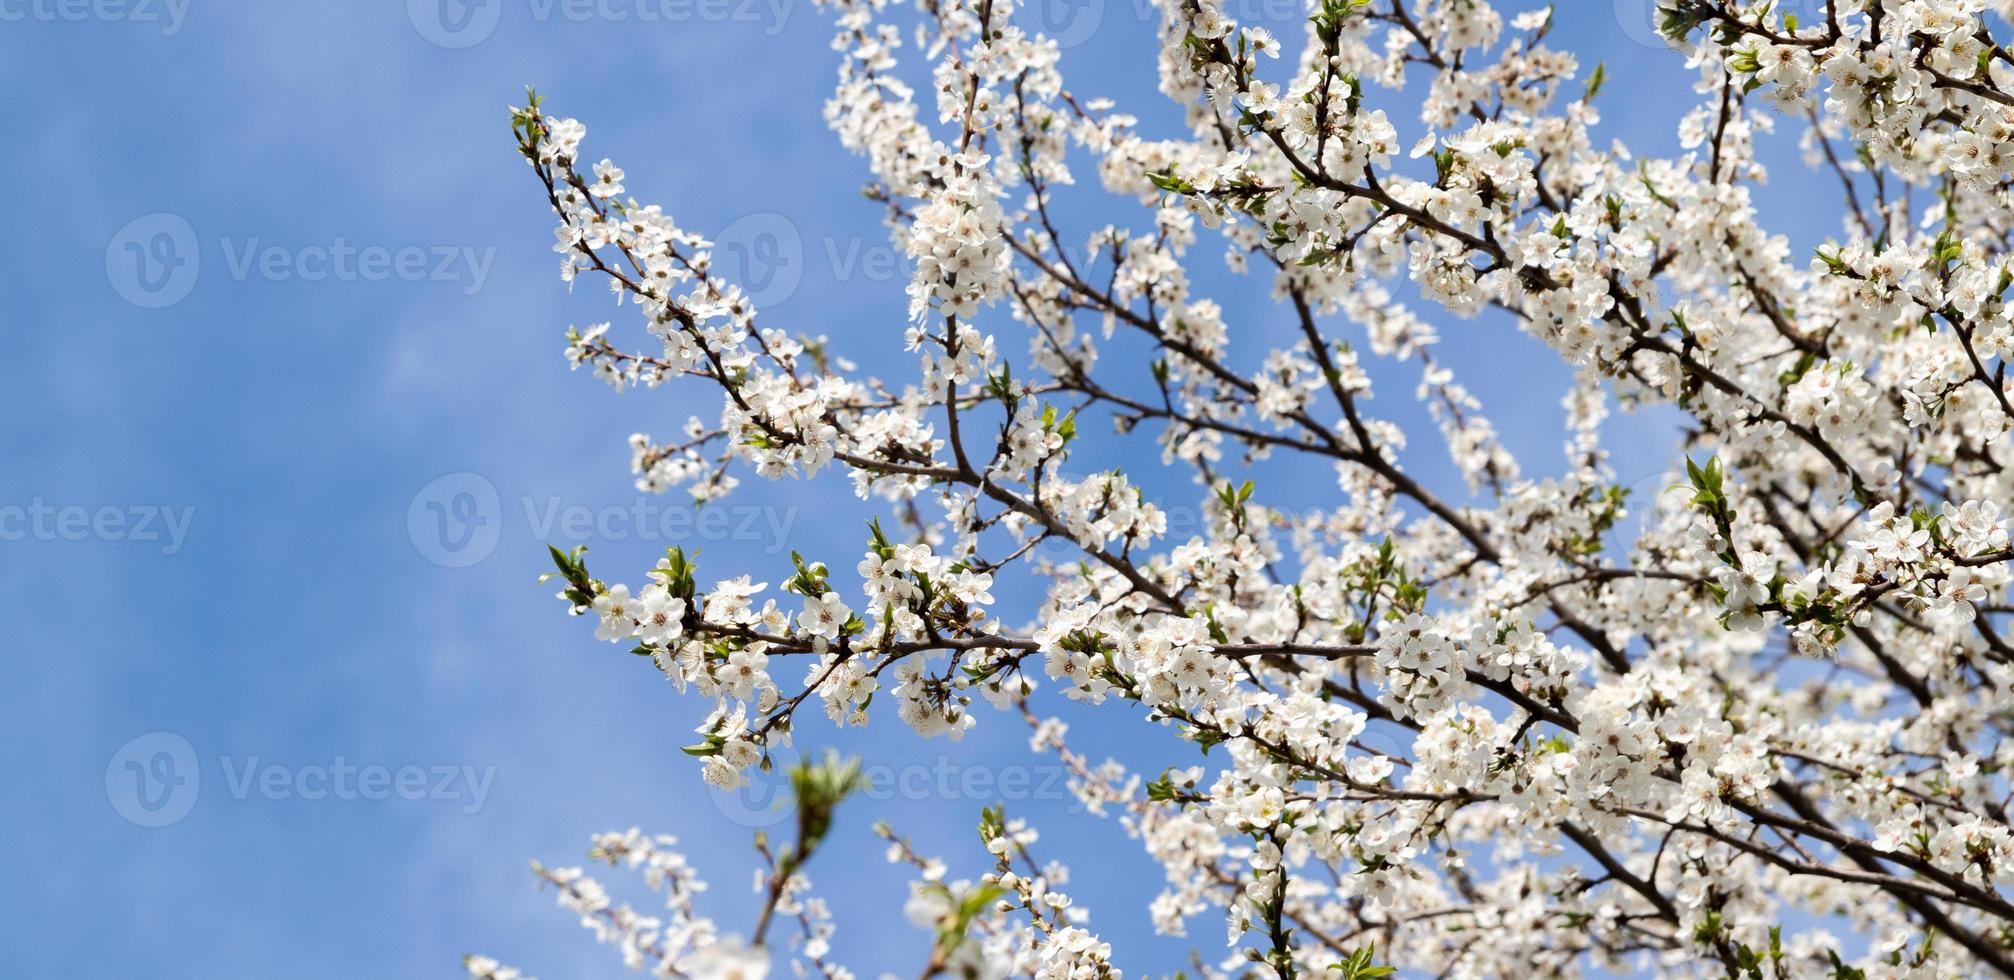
(1751, 725)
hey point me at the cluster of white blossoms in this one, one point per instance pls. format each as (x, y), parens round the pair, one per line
(1540, 721)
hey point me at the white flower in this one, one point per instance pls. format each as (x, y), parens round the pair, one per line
(1975, 526)
(744, 673)
(721, 774)
(1261, 97)
(824, 616)
(659, 616)
(617, 612)
(607, 180)
(727, 959)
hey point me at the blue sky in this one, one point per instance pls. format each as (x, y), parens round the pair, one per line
(220, 472)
